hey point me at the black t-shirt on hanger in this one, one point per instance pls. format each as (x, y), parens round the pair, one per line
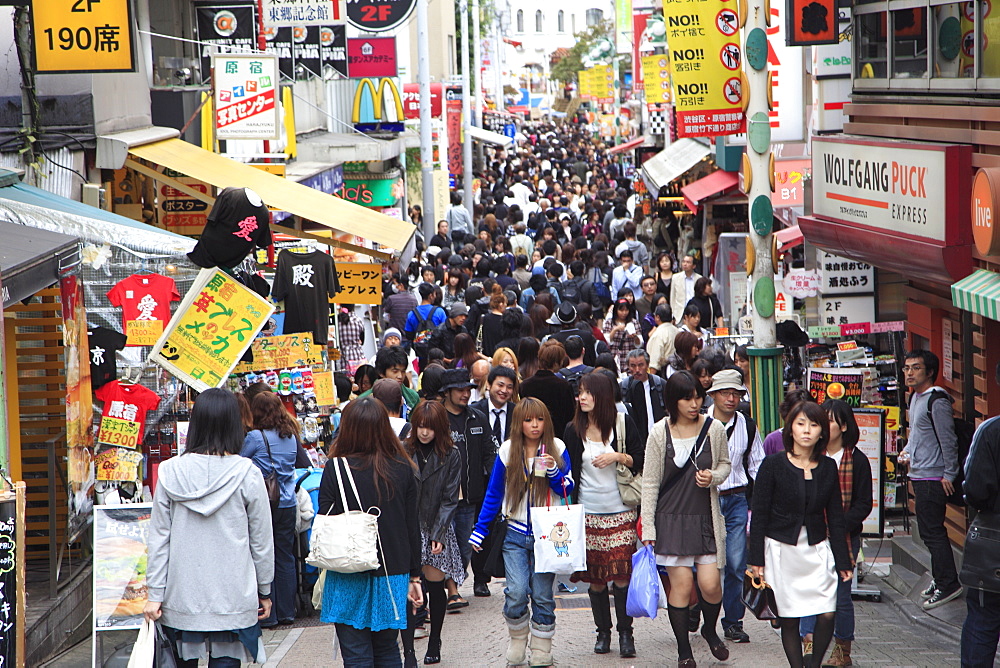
(238, 222)
(305, 282)
(103, 345)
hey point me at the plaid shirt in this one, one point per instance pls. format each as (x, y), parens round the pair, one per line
(351, 336)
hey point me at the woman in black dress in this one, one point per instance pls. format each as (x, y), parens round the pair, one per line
(707, 303)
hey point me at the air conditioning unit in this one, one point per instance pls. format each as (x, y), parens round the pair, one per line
(93, 194)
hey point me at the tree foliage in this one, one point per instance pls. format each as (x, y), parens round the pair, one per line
(565, 70)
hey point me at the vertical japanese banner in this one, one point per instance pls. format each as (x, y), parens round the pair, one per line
(705, 59)
(10, 593)
(656, 79)
(623, 26)
(604, 80)
(639, 20)
(211, 330)
(453, 121)
(583, 76)
(79, 407)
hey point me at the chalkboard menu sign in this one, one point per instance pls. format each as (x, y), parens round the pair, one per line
(8, 583)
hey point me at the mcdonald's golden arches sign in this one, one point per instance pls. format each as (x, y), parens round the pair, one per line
(372, 112)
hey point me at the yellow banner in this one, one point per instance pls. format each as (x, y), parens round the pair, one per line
(604, 83)
(82, 36)
(583, 82)
(211, 330)
(282, 352)
(118, 464)
(360, 283)
(115, 431)
(705, 58)
(656, 78)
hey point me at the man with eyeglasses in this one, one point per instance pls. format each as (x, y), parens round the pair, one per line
(746, 452)
(931, 453)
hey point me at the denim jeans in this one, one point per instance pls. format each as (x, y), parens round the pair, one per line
(981, 630)
(843, 625)
(364, 648)
(284, 586)
(523, 581)
(930, 502)
(735, 509)
(466, 515)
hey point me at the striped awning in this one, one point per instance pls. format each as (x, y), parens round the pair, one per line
(978, 293)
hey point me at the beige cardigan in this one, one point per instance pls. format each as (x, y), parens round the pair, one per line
(652, 473)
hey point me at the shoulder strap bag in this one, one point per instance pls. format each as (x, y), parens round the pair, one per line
(629, 484)
(347, 542)
(271, 483)
(981, 565)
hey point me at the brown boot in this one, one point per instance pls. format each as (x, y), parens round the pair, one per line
(841, 654)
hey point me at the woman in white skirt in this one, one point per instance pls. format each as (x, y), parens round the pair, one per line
(798, 542)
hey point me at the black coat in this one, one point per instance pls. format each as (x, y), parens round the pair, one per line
(589, 340)
(480, 451)
(485, 407)
(556, 393)
(780, 510)
(438, 497)
(634, 446)
(443, 338)
(630, 388)
(398, 525)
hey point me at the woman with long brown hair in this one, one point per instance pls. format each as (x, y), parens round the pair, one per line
(517, 483)
(369, 608)
(465, 351)
(686, 349)
(599, 439)
(273, 444)
(430, 446)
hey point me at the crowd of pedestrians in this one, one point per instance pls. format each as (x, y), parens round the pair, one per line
(533, 351)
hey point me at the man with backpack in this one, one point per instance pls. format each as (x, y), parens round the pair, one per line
(422, 321)
(931, 453)
(746, 452)
(565, 318)
(582, 290)
(643, 393)
(575, 368)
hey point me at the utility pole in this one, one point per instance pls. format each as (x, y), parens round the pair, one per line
(463, 8)
(477, 44)
(29, 96)
(765, 355)
(426, 148)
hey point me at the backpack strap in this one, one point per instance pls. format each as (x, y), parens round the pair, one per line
(935, 395)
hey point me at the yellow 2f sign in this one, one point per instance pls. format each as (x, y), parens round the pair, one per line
(377, 96)
(82, 36)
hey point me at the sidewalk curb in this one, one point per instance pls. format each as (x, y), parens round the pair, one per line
(286, 644)
(915, 614)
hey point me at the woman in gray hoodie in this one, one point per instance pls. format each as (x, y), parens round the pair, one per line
(211, 554)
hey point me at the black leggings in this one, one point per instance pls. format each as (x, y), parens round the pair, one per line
(791, 641)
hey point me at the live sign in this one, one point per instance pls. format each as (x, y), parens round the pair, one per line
(82, 36)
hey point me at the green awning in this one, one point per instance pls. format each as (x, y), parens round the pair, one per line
(978, 293)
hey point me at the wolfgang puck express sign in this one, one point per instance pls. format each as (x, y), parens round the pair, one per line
(904, 187)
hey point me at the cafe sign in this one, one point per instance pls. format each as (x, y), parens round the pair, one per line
(906, 188)
(985, 187)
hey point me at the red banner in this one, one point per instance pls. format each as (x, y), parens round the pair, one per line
(411, 100)
(244, 109)
(453, 120)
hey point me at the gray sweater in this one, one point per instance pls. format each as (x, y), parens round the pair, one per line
(211, 551)
(932, 455)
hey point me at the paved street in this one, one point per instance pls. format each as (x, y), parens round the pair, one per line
(477, 637)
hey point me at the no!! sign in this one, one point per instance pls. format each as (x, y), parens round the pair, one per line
(378, 15)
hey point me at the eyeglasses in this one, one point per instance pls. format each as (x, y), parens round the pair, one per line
(915, 367)
(730, 394)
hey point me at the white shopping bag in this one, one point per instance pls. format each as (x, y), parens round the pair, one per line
(144, 649)
(560, 538)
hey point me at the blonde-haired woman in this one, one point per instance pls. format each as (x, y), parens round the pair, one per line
(506, 357)
(514, 489)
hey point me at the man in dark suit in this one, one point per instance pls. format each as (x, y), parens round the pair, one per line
(497, 405)
(643, 393)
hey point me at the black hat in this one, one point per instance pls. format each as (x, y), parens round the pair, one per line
(455, 379)
(791, 335)
(565, 315)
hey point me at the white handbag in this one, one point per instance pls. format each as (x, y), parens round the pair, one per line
(348, 542)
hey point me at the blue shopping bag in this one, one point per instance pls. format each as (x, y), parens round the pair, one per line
(644, 589)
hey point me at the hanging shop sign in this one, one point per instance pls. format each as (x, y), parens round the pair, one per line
(411, 100)
(840, 275)
(282, 352)
(179, 212)
(360, 283)
(705, 59)
(844, 310)
(811, 22)
(640, 45)
(844, 384)
(905, 188)
(211, 330)
(246, 90)
(984, 210)
(800, 283)
(82, 36)
(278, 43)
(371, 57)
(119, 464)
(120, 548)
(623, 26)
(790, 178)
(453, 126)
(656, 79)
(333, 50)
(603, 83)
(224, 29)
(301, 12)
(324, 388)
(378, 15)
(372, 114)
(372, 192)
(305, 52)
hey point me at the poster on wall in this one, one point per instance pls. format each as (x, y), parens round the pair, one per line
(120, 535)
(211, 330)
(844, 384)
(871, 424)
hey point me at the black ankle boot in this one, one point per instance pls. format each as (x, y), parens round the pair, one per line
(600, 604)
(626, 644)
(433, 651)
(409, 659)
(626, 641)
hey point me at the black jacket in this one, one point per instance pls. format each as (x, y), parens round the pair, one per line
(861, 493)
(443, 338)
(982, 469)
(480, 451)
(634, 446)
(485, 407)
(780, 510)
(398, 526)
(630, 388)
(589, 341)
(438, 496)
(555, 393)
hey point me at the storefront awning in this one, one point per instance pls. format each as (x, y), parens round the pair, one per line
(671, 162)
(490, 137)
(277, 193)
(627, 146)
(788, 237)
(978, 293)
(31, 260)
(705, 188)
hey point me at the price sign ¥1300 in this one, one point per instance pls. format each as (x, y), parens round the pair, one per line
(82, 36)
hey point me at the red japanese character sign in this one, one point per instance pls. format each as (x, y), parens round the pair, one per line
(211, 330)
